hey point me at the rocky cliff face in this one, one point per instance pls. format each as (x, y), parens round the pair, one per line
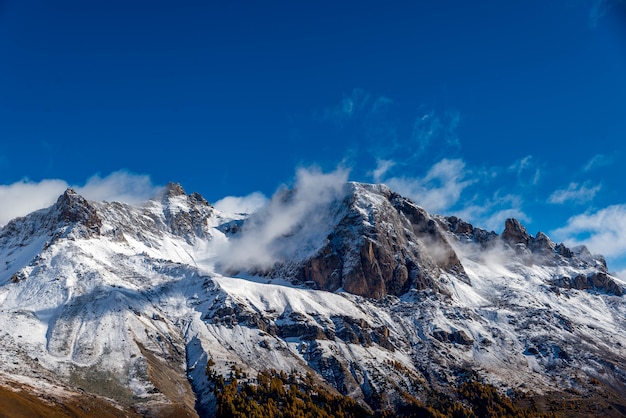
(381, 244)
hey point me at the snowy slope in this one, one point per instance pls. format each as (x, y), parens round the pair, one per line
(131, 302)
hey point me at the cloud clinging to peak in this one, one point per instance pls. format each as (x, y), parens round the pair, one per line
(439, 189)
(25, 196)
(382, 167)
(242, 204)
(264, 239)
(491, 212)
(119, 186)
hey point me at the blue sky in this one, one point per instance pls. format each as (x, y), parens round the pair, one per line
(486, 110)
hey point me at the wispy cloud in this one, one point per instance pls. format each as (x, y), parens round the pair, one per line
(574, 193)
(600, 8)
(264, 239)
(119, 186)
(382, 168)
(432, 127)
(602, 231)
(597, 161)
(25, 196)
(491, 212)
(621, 274)
(527, 169)
(439, 189)
(242, 204)
(358, 102)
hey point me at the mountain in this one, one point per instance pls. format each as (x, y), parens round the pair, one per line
(109, 309)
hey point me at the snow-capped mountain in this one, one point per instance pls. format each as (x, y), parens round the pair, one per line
(358, 286)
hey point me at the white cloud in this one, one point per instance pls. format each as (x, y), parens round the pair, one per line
(439, 190)
(119, 186)
(382, 167)
(264, 239)
(527, 170)
(242, 204)
(598, 160)
(602, 231)
(491, 213)
(356, 103)
(24, 197)
(576, 193)
(621, 274)
(495, 221)
(433, 127)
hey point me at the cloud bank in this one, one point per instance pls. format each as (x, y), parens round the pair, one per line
(602, 231)
(265, 237)
(242, 204)
(439, 189)
(23, 197)
(119, 186)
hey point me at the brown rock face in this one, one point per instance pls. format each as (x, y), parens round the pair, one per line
(384, 250)
(514, 233)
(598, 281)
(73, 208)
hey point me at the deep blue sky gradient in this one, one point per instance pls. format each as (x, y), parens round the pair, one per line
(228, 98)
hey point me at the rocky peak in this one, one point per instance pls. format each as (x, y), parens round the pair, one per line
(466, 232)
(583, 253)
(514, 233)
(542, 244)
(383, 244)
(186, 215)
(197, 198)
(72, 208)
(173, 189)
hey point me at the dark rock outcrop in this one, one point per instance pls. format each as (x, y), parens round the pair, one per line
(384, 250)
(514, 233)
(598, 281)
(72, 208)
(189, 223)
(466, 232)
(455, 337)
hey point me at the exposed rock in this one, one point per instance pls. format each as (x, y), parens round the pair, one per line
(466, 232)
(173, 189)
(583, 253)
(598, 281)
(542, 245)
(304, 331)
(189, 223)
(563, 251)
(514, 233)
(456, 337)
(384, 251)
(72, 208)
(461, 337)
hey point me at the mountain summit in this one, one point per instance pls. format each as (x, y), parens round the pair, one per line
(152, 310)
